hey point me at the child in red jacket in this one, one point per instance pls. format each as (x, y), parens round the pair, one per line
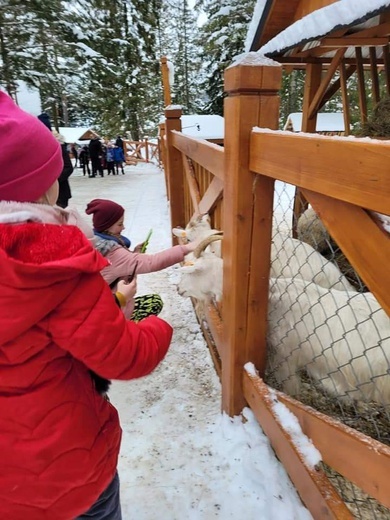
(59, 439)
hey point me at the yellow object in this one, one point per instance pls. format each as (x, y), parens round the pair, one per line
(121, 299)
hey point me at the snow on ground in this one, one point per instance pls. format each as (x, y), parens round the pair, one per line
(181, 459)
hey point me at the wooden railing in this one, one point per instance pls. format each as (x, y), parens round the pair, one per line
(141, 151)
(341, 179)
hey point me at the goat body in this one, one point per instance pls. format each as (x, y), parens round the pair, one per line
(201, 278)
(341, 338)
(292, 258)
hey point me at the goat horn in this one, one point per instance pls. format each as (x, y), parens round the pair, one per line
(205, 242)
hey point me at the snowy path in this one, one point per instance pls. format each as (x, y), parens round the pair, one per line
(180, 458)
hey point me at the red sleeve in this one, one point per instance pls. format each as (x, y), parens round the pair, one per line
(90, 326)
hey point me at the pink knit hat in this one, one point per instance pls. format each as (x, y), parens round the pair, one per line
(105, 213)
(30, 157)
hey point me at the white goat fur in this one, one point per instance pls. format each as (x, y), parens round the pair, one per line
(199, 228)
(341, 338)
(201, 277)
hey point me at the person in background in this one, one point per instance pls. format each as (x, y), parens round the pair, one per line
(59, 439)
(108, 224)
(96, 153)
(84, 160)
(64, 192)
(74, 153)
(119, 142)
(110, 159)
(119, 158)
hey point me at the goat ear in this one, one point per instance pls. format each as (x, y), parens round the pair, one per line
(205, 218)
(179, 232)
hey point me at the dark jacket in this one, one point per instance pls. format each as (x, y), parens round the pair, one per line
(64, 188)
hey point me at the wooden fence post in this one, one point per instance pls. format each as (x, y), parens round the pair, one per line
(174, 175)
(252, 100)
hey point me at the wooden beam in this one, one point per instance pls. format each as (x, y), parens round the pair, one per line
(165, 80)
(211, 196)
(374, 76)
(336, 85)
(191, 183)
(352, 170)
(312, 84)
(313, 108)
(346, 450)
(370, 261)
(361, 85)
(314, 488)
(208, 155)
(386, 58)
(354, 41)
(344, 95)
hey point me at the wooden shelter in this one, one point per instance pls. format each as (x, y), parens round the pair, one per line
(332, 42)
(346, 180)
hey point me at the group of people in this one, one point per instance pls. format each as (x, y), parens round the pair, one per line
(70, 322)
(104, 156)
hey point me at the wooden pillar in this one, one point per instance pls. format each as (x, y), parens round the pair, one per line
(174, 170)
(165, 80)
(312, 84)
(252, 101)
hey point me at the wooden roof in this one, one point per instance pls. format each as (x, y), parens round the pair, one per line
(282, 35)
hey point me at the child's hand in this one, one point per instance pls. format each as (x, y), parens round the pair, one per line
(138, 248)
(127, 289)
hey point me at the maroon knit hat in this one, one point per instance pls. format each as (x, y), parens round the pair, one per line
(30, 157)
(105, 213)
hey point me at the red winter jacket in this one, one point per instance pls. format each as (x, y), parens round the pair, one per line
(59, 439)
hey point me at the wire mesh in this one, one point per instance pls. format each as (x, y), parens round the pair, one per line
(328, 337)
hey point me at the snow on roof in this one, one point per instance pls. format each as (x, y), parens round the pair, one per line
(203, 127)
(73, 135)
(326, 122)
(323, 21)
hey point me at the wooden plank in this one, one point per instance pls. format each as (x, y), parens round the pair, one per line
(365, 244)
(353, 170)
(312, 83)
(386, 58)
(208, 155)
(336, 85)
(165, 80)
(210, 198)
(316, 101)
(191, 183)
(314, 488)
(374, 76)
(354, 41)
(346, 450)
(344, 75)
(259, 268)
(361, 85)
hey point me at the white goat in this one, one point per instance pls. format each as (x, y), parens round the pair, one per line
(292, 258)
(202, 277)
(202, 272)
(341, 338)
(197, 229)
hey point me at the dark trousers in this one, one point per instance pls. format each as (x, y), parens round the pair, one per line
(96, 166)
(107, 506)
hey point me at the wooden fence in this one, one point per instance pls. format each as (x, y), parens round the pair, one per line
(341, 178)
(141, 151)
